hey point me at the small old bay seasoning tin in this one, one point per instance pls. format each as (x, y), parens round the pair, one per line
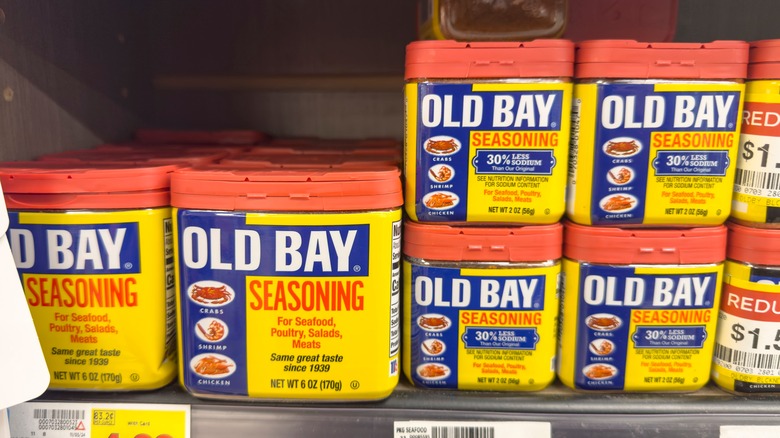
(93, 245)
(481, 306)
(487, 131)
(639, 307)
(655, 131)
(747, 349)
(289, 282)
(757, 182)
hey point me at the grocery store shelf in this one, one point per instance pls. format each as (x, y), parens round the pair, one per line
(281, 83)
(571, 414)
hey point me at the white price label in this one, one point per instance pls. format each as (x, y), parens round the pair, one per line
(751, 431)
(99, 420)
(471, 429)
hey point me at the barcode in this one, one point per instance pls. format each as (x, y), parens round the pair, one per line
(462, 432)
(745, 359)
(59, 414)
(757, 180)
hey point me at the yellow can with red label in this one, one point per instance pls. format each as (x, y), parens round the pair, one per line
(481, 306)
(289, 281)
(747, 349)
(757, 182)
(639, 307)
(94, 248)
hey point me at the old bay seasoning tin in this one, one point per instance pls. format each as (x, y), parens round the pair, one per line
(93, 245)
(289, 282)
(639, 307)
(747, 349)
(481, 306)
(487, 131)
(757, 181)
(655, 131)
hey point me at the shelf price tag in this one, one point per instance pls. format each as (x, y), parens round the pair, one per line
(751, 431)
(471, 429)
(99, 420)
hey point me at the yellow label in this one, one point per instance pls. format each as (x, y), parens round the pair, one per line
(641, 328)
(140, 421)
(100, 289)
(307, 307)
(654, 154)
(747, 349)
(486, 152)
(480, 329)
(757, 182)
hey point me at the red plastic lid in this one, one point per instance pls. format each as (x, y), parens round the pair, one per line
(52, 185)
(216, 187)
(533, 243)
(630, 59)
(151, 147)
(451, 59)
(679, 246)
(764, 60)
(200, 137)
(287, 161)
(313, 149)
(757, 246)
(150, 157)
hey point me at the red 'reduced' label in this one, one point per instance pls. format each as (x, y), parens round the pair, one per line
(754, 305)
(761, 119)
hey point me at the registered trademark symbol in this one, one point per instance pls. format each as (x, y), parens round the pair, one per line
(128, 265)
(553, 124)
(356, 268)
(731, 125)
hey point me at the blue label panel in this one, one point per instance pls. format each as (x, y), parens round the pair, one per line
(501, 338)
(226, 242)
(527, 162)
(627, 117)
(765, 275)
(216, 253)
(449, 113)
(75, 249)
(609, 295)
(670, 337)
(672, 163)
(441, 295)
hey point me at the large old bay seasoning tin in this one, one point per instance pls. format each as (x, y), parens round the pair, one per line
(93, 245)
(289, 282)
(655, 130)
(487, 131)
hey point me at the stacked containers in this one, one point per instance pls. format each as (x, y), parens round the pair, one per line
(94, 245)
(654, 142)
(486, 131)
(746, 354)
(289, 281)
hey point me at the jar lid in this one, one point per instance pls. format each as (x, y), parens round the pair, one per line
(216, 187)
(53, 185)
(758, 246)
(533, 243)
(764, 59)
(644, 246)
(630, 59)
(296, 161)
(149, 157)
(451, 59)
